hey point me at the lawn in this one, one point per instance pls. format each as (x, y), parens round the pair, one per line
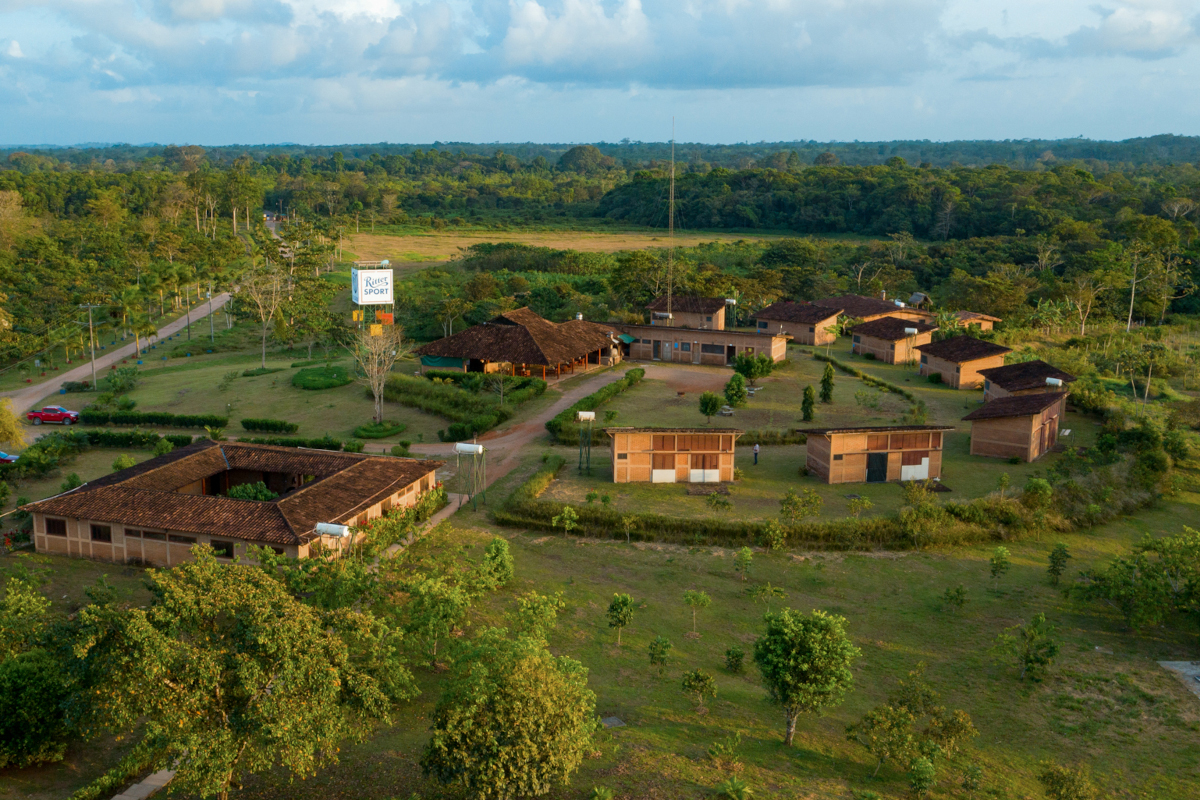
(1106, 702)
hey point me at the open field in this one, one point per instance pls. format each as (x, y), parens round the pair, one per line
(415, 249)
(1117, 711)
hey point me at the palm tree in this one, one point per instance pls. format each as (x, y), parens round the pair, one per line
(947, 323)
(126, 303)
(142, 326)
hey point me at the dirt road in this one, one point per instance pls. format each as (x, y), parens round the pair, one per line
(24, 398)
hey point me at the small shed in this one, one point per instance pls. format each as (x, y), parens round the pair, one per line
(876, 454)
(700, 313)
(673, 455)
(807, 323)
(960, 358)
(985, 322)
(1028, 377)
(890, 339)
(1019, 426)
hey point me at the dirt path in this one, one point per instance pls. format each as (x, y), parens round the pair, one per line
(505, 446)
(24, 398)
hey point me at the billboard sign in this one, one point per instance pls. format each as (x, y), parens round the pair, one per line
(370, 287)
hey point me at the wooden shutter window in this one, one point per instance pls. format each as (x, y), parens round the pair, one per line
(877, 441)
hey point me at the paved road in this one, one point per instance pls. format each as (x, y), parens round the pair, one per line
(24, 398)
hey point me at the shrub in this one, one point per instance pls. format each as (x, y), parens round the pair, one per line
(470, 414)
(270, 425)
(317, 378)
(734, 657)
(353, 446)
(251, 491)
(869, 356)
(163, 447)
(498, 561)
(251, 373)
(935, 377)
(123, 462)
(71, 387)
(33, 695)
(379, 430)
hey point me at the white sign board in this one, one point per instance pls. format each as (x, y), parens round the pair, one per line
(371, 287)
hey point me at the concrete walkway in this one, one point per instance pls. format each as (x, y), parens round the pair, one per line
(147, 787)
(26, 397)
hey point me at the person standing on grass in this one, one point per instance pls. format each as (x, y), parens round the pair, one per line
(756, 454)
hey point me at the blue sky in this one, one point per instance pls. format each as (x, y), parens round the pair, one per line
(251, 71)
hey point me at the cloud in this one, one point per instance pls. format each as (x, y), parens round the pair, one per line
(266, 59)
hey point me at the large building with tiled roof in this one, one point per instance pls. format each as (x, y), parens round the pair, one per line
(686, 311)
(522, 342)
(156, 511)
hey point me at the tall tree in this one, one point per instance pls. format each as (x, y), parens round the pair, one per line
(376, 352)
(265, 289)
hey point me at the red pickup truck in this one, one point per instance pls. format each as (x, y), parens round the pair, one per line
(53, 414)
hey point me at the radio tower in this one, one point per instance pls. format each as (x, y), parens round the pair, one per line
(671, 232)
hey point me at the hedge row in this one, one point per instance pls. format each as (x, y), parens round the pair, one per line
(91, 416)
(870, 380)
(326, 442)
(379, 430)
(44, 455)
(1102, 490)
(563, 428)
(470, 414)
(270, 425)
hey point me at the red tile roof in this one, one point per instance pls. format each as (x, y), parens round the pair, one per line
(147, 495)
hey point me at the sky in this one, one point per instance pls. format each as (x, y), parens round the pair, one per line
(341, 71)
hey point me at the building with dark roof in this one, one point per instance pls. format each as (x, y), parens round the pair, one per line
(890, 339)
(959, 360)
(154, 512)
(806, 323)
(875, 453)
(673, 455)
(521, 342)
(1019, 426)
(871, 308)
(968, 319)
(1028, 377)
(701, 313)
(692, 346)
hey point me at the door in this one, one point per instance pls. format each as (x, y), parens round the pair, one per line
(695, 352)
(877, 467)
(730, 354)
(657, 350)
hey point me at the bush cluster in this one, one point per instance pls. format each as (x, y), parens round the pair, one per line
(399, 524)
(270, 425)
(316, 378)
(251, 373)
(469, 413)
(379, 430)
(563, 428)
(46, 454)
(92, 416)
(76, 386)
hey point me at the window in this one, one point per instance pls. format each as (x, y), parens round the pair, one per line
(277, 551)
(935, 441)
(877, 441)
(101, 533)
(132, 533)
(713, 349)
(924, 359)
(154, 537)
(812, 329)
(708, 319)
(686, 347)
(762, 324)
(838, 457)
(706, 461)
(663, 461)
(726, 443)
(181, 539)
(56, 527)
(956, 369)
(857, 340)
(663, 442)
(622, 456)
(913, 458)
(224, 549)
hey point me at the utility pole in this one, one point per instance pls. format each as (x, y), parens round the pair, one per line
(187, 301)
(671, 232)
(92, 340)
(212, 337)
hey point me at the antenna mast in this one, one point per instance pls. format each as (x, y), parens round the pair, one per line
(671, 231)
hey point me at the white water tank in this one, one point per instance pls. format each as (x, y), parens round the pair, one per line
(910, 331)
(898, 304)
(729, 301)
(578, 316)
(330, 529)
(585, 416)
(1054, 381)
(468, 449)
